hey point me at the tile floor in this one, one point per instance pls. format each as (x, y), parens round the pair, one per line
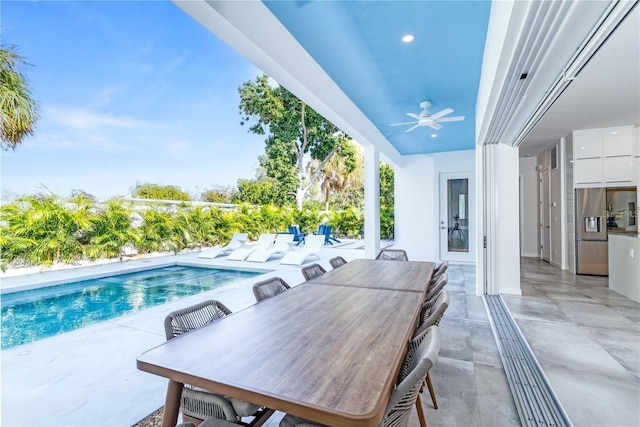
(586, 338)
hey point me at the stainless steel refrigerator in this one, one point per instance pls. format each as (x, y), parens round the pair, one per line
(592, 256)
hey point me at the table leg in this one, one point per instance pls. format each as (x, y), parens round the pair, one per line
(172, 404)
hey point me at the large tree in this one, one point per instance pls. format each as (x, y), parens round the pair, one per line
(294, 132)
(159, 192)
(18, 110)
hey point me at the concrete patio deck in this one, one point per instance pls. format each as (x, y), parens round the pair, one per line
(88, 377)
(585, 337)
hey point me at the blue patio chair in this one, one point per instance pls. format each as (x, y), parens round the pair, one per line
(298, 235)
(326, 231)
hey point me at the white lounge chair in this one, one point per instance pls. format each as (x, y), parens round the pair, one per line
(264, 242)
(282, 245)
(312, 247)
(236, 242)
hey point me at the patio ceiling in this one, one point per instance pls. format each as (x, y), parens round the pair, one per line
(358, 44)
(347, 61)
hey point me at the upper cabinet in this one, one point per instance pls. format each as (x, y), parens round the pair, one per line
(617, 142)
(604, 157)
(587, 144)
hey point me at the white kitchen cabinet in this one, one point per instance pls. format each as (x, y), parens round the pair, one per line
(605, 156)
(617, 141)
(618, 170)
(587, 171)
(587, 144)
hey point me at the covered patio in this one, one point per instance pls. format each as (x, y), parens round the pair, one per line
(595, 375)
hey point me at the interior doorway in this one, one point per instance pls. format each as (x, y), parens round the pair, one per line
(545, 216)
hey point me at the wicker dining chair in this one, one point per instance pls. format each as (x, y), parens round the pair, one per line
(393, 255)
(337, 261)
(312, 270)
(197, 404)
(439, 270)
(433, 318)
(426, 334)
(269, 288)
(429, 307)
(435, 287)
(406, 393)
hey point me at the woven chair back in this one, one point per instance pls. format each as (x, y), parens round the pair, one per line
(268, 288)
(433, 316)
(439, 270)
(435, 287)
(312, 270)
(337, 262)
(393, 255)
(193, 317)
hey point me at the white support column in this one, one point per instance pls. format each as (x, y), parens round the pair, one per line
(562, 155)
(371, 201)
(501, 215)
(480, 220)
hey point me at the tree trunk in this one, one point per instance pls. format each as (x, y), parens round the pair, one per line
(302, 189)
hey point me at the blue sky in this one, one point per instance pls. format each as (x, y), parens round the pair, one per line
(129, 92)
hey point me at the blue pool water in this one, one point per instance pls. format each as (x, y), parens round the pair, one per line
(35, 314)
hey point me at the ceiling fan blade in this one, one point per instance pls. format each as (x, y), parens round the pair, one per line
(412, 128)
(399, 124)
(451, 119)
(413, 116)
(441, 113)
(434, 125)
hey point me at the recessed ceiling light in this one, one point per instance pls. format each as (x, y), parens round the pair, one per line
(433, 135)
(408, 38)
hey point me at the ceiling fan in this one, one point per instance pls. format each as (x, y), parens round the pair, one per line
(425, 118)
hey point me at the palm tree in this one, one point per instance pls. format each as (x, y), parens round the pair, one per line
(18, 110)
(340, 174)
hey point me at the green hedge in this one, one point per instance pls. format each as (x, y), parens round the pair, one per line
(40, 230)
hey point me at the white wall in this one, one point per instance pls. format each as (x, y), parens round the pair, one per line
(417, 201)
(556, 216)
(529, 207)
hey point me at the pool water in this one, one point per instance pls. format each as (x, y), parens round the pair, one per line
(39, 313)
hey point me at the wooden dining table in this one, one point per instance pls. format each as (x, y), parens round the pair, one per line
(380, 274)
(328, 352)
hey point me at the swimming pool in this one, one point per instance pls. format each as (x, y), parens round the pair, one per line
(40, 313)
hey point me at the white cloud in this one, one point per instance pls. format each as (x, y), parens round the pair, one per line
(82, 120)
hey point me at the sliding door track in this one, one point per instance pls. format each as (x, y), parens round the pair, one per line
(535, 401)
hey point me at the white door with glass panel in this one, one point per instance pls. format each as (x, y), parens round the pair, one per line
(457, 233)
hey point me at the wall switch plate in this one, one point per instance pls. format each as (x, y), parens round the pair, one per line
(630, 253)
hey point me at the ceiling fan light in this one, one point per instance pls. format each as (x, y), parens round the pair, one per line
(408, 38)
